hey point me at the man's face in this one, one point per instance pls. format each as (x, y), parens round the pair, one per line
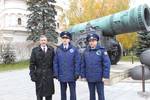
(93, 43)
(65, 40)
(43, 41)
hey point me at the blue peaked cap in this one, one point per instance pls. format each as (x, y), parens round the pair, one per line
(92, 36)
(66, 34)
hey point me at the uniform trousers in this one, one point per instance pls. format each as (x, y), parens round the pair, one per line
(99, 86)
(72, 87)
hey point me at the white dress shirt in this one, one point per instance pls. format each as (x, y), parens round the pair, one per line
(44, 48)
(66, 46)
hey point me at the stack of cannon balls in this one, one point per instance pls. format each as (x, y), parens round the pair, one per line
(136, 72)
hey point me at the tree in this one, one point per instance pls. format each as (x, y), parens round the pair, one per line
(8, 55)
(128, 40)
(41, 19)
(143, 42)
(85, 10)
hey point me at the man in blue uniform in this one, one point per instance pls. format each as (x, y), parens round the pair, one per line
(95, 66)
(67, 66)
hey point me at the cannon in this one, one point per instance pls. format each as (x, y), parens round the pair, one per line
(133, 20)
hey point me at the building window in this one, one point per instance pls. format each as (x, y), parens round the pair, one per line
(57, 25)
(19, 21)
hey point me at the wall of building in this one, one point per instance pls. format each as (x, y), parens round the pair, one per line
(13, 18)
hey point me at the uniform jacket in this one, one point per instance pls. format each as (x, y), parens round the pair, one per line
(95, 64)
(66, 63)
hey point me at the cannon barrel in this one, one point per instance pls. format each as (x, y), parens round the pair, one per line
(132, 20)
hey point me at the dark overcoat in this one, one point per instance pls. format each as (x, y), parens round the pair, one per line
(41, 70)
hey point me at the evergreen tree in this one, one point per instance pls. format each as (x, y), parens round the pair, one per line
(8, 55)
(143, 42)
(41, 19)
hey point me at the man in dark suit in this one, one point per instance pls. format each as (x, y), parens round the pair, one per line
(41, 69)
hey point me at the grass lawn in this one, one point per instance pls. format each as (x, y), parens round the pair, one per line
(25, 64)
(129, 58)
(15, 66)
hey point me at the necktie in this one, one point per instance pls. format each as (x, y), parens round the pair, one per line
(44, 49)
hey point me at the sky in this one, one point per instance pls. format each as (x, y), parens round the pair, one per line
(138, 2)
(63, 3)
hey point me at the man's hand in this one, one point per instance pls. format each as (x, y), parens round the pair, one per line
(105, 80)
(55, 77)
(76, 77)
(83, 79)
(33, 78)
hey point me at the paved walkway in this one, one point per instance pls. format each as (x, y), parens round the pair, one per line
(16, 85)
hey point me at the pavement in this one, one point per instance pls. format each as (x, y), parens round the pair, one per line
(16, 85)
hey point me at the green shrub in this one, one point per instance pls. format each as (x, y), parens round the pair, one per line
(8, 55)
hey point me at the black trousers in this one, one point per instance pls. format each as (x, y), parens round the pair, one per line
(100, 90)
(47, 97)
(72, 86)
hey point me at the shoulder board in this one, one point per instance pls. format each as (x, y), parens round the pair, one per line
(102, 47)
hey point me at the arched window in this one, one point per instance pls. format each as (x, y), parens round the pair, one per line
(19, 21)
(57, 25)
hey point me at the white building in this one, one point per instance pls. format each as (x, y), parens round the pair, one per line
(13, 21)
(13, 18)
